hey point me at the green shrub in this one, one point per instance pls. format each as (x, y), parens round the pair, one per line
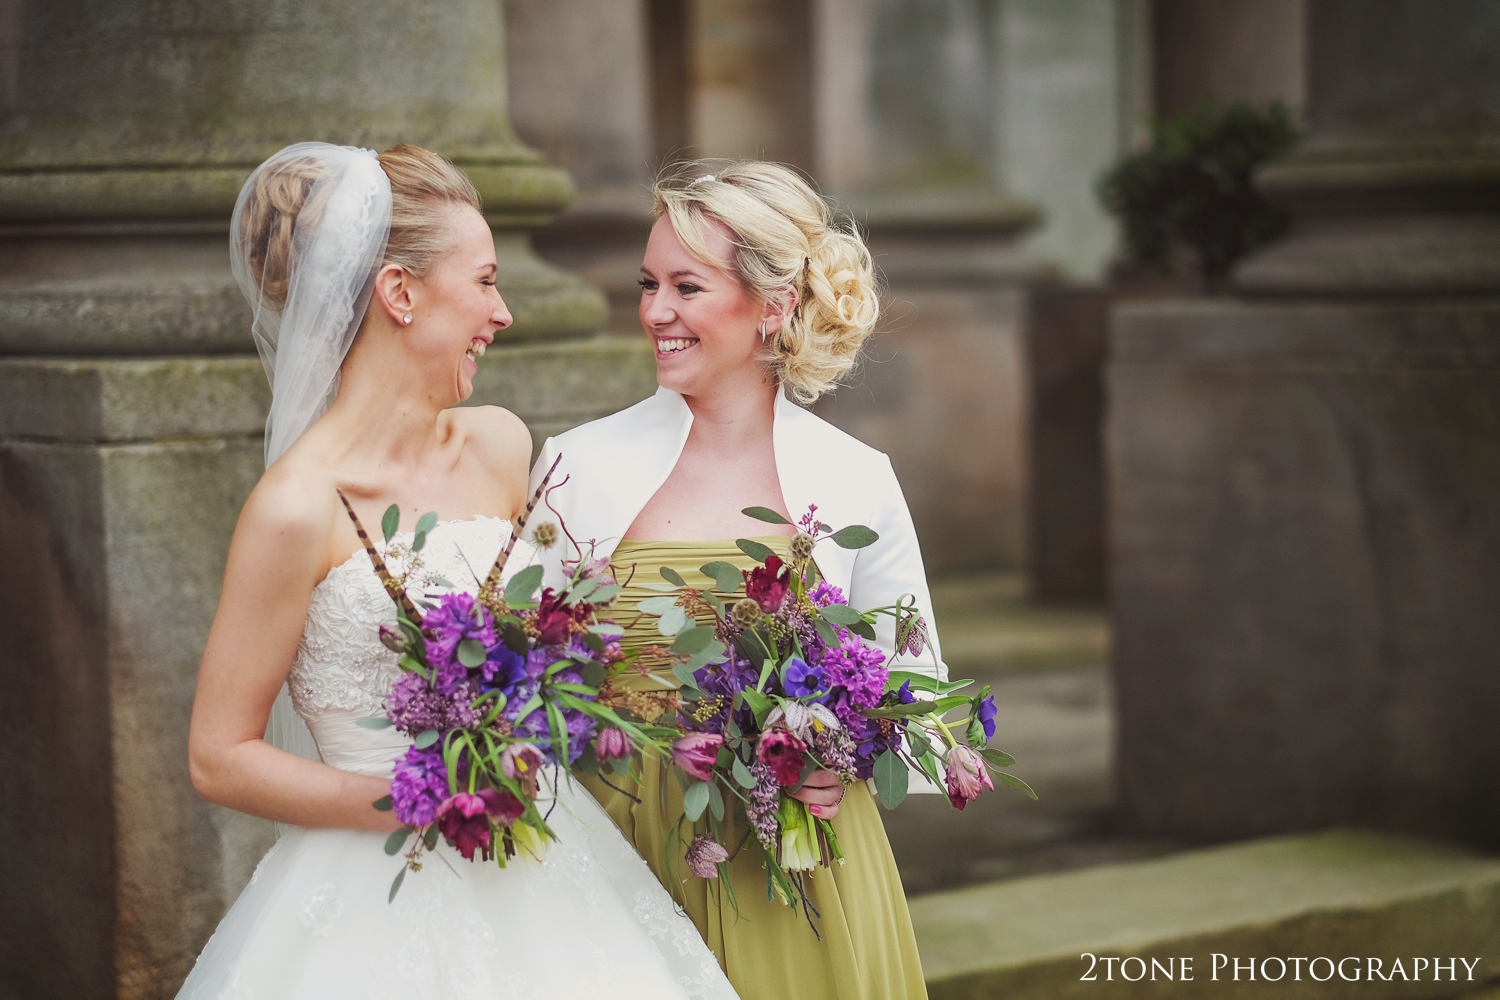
(1193, 186)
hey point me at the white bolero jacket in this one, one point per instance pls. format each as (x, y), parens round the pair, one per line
(614, 466)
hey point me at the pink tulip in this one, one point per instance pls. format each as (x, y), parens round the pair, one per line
(967, 777)
(695, 753)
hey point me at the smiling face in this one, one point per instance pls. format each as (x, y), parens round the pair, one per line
(703, 322)
(458, 310)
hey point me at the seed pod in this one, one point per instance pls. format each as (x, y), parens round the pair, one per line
(746, 613)
(544, 535)
(802, 546)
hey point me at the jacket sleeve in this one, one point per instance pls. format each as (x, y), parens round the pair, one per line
(891, 569)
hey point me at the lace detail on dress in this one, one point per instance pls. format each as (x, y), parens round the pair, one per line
(662, 921)
(320, 908)
(340, 663)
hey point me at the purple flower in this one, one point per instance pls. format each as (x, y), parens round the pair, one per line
(858, 668)
(419, 785)
(413, 706)
(502, 669)
(695, 753)
(783, 753)
(802, 681)
(704, 855)
(765, 797)
(825, 593)
(456, 618)
(986, 713)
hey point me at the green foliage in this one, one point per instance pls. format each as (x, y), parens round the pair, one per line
(1193, 185)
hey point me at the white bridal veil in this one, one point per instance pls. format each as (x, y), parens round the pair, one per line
(338, 243)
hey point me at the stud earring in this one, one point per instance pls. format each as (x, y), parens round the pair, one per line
(406, 319)
(762, 331)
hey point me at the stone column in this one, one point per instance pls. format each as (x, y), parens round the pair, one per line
(1304, 479)
(131, 409)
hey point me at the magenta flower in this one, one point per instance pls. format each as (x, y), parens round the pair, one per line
(501, 806)
(522, 763)
(612, 744)
(967, 777)
(783, 753)
(695, 753)
(704, 855)
(767, 585)
(465, 823)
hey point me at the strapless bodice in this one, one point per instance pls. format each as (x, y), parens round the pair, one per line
(342, 672)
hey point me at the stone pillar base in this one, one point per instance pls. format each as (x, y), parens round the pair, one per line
(1305, 565)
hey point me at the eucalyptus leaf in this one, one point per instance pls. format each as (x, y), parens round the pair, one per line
(920, 744)
(657, 605)
(383, 804)
(755, 550)
(715, 801)
(1015, 782)
(471, 653)
(726, 576)
(765, 514)
(427, 522)
(890, 779)
(742, 774)
(594, 642)
(863, 629)
(829, 637)
(583, 590)
(606, 593)
(523, 585)
(855, 536)
(418, 541)
(391, 522)
(684, 673)
(672, 622)
(607, 629)
(374, 722)
(695, 800)
(426, 738)
(996, 757)
(841, 614)
(397, 840)
(673, 577)
(593, 674)
(692, 640)
(396, 884)
(431, 839)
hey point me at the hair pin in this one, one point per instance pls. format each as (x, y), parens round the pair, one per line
(700, 180)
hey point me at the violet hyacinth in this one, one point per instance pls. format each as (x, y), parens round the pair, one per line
(456, 618)
(419, 785)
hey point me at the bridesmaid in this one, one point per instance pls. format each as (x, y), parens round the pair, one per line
(753, 298)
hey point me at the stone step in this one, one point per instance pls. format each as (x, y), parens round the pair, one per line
(1335, 894)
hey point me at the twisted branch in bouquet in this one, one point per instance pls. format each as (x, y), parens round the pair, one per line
(492, 582)
(391, 584)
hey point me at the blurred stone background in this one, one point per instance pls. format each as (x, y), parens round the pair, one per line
(1231, 562)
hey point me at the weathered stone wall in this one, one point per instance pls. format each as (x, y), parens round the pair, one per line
(1304, 482)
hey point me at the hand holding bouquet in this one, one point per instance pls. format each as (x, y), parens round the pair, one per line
(788, 680)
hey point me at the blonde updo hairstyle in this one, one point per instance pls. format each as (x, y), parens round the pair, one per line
(785, 236)
(422, 183)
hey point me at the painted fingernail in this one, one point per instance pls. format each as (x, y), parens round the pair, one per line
(816, 810)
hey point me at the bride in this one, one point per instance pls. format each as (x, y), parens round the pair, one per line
(374, 277)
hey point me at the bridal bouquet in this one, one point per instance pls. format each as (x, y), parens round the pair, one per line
(788, 680)
(500, 695)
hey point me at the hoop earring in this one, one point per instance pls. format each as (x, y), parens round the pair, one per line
(406, 319)
(762, 331)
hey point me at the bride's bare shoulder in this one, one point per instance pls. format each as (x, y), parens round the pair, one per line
(497, 437)
(293, 510)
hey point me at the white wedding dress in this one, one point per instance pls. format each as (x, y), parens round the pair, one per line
(588, 921)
